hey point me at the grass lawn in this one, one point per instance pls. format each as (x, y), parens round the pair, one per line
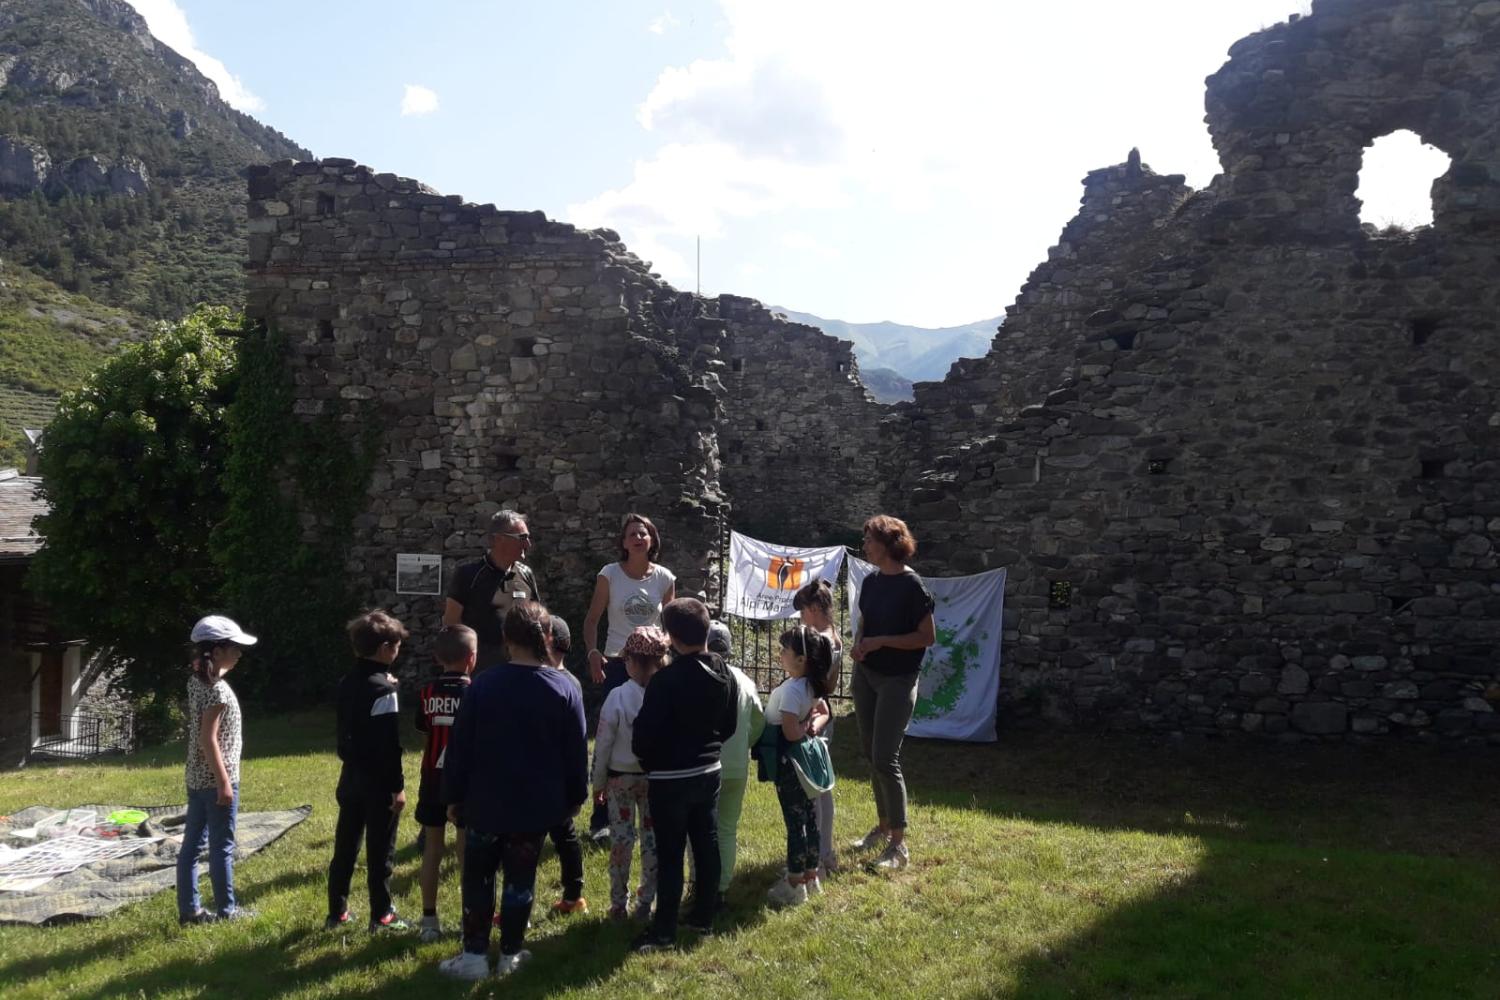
(1044, 866)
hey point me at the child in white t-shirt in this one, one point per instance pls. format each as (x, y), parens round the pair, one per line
(617, 774)
(807, 658)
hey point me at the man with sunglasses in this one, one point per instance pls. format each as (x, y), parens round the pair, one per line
(482, 591)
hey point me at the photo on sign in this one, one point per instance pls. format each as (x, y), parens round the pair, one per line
(419, 573)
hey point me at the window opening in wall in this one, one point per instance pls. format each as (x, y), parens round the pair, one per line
(841, 366)
(737, 364)
(325, 329)
(1157, 466)
(1421, 329)
(1124, 341)
(1395, 181)
(505, 462)
(325, 204)
(1432, 468)
(1060, 594)
(521, 347)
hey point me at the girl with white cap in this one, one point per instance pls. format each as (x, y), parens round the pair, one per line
(213, 771)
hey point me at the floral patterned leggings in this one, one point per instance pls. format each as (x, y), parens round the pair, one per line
(626, 797)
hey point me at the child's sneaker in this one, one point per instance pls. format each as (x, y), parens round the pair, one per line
(334, 922)
(618, 913)
(510, 963)
(198, 917)
(390, 923)
(466, 965)
(813, 885)
(599, 837)
(871, 840)
(567, 907)
(432, 929)
(784, 894)
(698, 925)
(642, 912)
(892, 859)
(237, 914)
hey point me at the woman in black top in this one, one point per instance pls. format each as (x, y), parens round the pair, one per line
(895, 629)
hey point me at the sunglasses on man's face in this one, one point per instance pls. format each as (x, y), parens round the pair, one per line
(523, 536)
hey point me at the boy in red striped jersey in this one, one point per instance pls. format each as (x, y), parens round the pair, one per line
(456, 650)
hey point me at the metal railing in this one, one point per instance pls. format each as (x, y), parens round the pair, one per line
(83, 735)
(756, 645)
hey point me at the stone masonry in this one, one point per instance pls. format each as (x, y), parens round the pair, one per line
(1243, 472)
(1239, 454)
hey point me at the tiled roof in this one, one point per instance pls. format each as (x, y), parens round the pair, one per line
(20, 503)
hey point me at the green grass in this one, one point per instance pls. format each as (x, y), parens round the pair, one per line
(1044, 866)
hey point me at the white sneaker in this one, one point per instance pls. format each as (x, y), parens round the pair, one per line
(893, 858)
(431, 929)
(813, 886)
(875, 838)
(510, 963)
(466, 966)
(784, 894)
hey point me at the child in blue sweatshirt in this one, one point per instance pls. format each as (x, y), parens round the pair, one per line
(517, 764)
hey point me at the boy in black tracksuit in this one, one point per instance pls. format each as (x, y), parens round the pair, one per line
(688, 712)
(371, 790)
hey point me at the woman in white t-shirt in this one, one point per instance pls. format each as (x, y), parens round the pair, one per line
(632, 592)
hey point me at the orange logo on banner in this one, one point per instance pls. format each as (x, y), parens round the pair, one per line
(784, 573)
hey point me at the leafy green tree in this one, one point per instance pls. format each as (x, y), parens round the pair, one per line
(132, 470)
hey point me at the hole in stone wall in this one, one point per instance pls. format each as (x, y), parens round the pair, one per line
(325, 204)
(1395, 181)
(1060, 594)
(505, 461)
(841, 366)
(521, 347)
(1124, 341)
(1432, 468)
(1157, 466)
(325, 329)
(760, 425)
(737, 364)
(1421, 329)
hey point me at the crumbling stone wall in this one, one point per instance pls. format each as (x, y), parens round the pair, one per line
(510, 361)
(805, 461)
(1261, 495)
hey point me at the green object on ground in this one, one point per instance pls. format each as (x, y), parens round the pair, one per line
(128, 817)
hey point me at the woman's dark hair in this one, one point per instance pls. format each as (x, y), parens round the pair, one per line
(528, 626)
(814, 645)
(893, 533)
(204, 667)
(818, 594)
(642, 519)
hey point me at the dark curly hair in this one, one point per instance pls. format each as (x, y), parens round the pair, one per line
(893, 533)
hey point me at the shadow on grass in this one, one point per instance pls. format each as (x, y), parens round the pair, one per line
(1324, 870)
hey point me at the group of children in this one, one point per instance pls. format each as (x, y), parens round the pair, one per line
(506, 763)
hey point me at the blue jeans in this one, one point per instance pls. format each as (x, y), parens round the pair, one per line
(206, 819)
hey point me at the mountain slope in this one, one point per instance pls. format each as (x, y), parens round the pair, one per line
(920, 354)
(50, 340)
(120, 167)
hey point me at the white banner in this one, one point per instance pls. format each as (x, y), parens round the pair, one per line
(763, 578)
(961, 674)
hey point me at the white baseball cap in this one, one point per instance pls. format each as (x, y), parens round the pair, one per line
(217, 628)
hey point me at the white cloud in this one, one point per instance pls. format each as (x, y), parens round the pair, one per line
(169, 24)
(663, 24)
(418, 100)
(967, 127)
(809, 244)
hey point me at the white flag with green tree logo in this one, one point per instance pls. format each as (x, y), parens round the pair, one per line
(960, 683)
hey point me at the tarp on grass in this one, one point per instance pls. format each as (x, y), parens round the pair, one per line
(102, 887)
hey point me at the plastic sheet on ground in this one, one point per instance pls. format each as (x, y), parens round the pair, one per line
(101, 887)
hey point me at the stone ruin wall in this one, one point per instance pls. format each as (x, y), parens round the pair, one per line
(516, 362)
(1237, 454)
(1268, 472)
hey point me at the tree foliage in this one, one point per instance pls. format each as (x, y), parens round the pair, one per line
(132, 471)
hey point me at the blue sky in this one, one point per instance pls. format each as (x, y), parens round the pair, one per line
(870, 160)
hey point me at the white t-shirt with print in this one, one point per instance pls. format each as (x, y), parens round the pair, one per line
(633, 603)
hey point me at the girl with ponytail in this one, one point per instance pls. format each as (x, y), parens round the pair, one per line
(213, 770)
(807, 658)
